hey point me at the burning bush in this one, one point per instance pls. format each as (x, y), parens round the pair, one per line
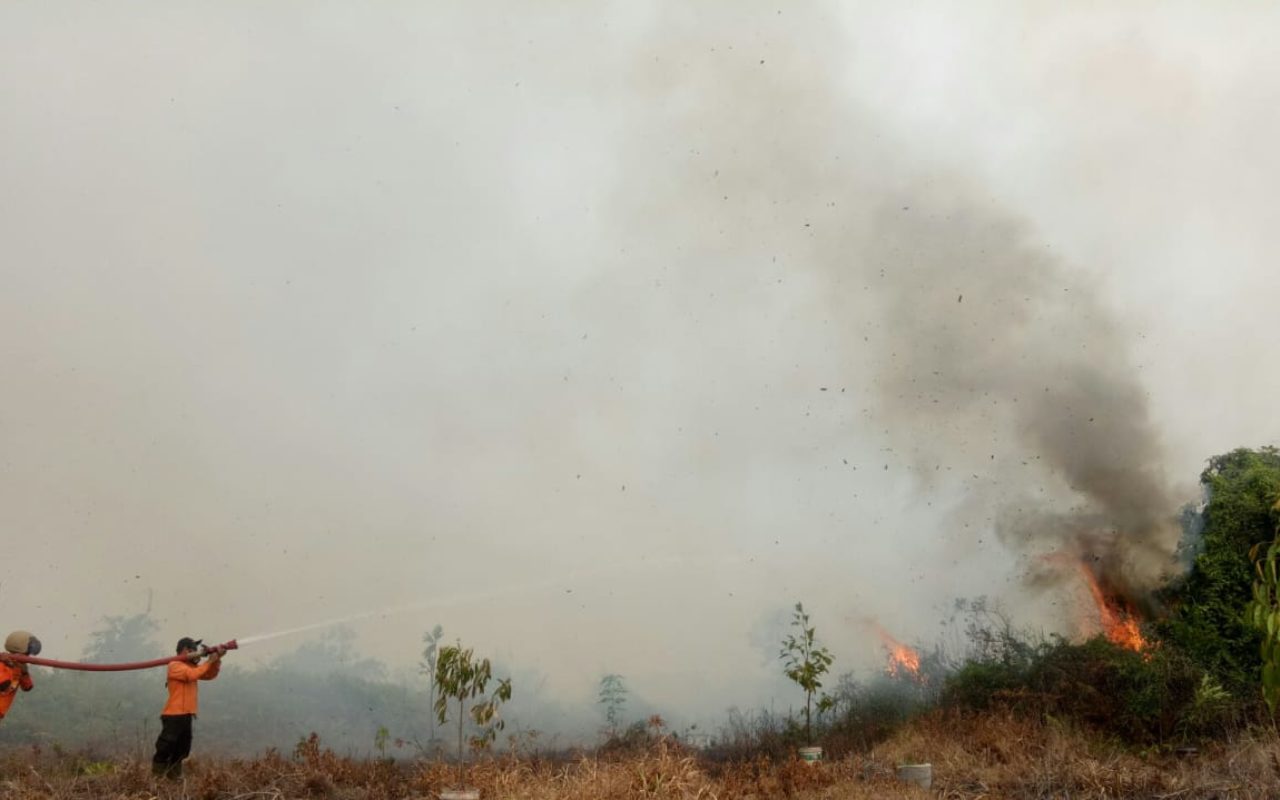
(1191, 672)
(1141, 697)
(1144, 698)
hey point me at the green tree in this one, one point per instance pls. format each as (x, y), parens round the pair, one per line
(427, 666)
(1263, 613)
(1207, 618)
(123, 638)
(613, 696)
(805, 662)
(462, 678)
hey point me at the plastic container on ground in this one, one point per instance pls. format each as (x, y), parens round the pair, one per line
(919, 774)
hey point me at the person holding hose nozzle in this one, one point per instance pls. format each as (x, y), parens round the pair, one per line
(13, 674)
(174, 742)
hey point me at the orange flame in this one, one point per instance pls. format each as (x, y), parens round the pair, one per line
(904, 661)
(1120, 621)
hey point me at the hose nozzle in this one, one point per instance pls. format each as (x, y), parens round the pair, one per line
(228, 645)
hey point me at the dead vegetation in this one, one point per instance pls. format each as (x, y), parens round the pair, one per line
(973, 756)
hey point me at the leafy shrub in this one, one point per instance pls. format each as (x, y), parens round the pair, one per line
(978, 684)
(995, 663)
(1144, 698)
(1213, 711)
(1140, 697)
(1206, 618)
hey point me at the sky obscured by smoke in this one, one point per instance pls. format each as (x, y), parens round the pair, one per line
(601, 335)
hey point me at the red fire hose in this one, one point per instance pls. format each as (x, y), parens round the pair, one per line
(78, 665)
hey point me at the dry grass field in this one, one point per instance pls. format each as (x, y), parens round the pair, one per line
(989, 756)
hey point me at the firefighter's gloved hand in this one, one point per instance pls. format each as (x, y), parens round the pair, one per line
(222, 650)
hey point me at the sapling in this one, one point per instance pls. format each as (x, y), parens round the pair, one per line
(613, 696)
(427, 666)
(460, 678)
(805, 662)
(380, 738)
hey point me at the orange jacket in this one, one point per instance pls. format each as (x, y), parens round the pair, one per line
(183, 691)
(12, 679)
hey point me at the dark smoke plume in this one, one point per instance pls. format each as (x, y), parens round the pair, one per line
(994, 345)
(985, 359)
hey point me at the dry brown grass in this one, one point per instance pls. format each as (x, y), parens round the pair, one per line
(1003, 756)
(974, 757)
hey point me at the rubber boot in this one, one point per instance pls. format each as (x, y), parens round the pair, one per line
(170, 771)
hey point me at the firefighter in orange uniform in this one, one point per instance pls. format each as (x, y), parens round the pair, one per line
(174, 743)
(13, 674)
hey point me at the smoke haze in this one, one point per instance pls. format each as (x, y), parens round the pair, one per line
(603, 335)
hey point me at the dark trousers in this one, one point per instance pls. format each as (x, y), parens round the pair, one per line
(173, 745)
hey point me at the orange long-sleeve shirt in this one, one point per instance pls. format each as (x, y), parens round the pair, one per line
(184, 691)
(12, 678)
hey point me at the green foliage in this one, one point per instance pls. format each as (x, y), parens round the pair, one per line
(980, 684)
(1143, 698)
(1207, 619)
(1139, 696)
(427, 666)
(1263, 613)
(805, 662)
(1211, 707)
(613, 696)
(461, 677)
(996, 659)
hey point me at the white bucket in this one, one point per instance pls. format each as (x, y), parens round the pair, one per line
(919, 774)
(810, 755)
